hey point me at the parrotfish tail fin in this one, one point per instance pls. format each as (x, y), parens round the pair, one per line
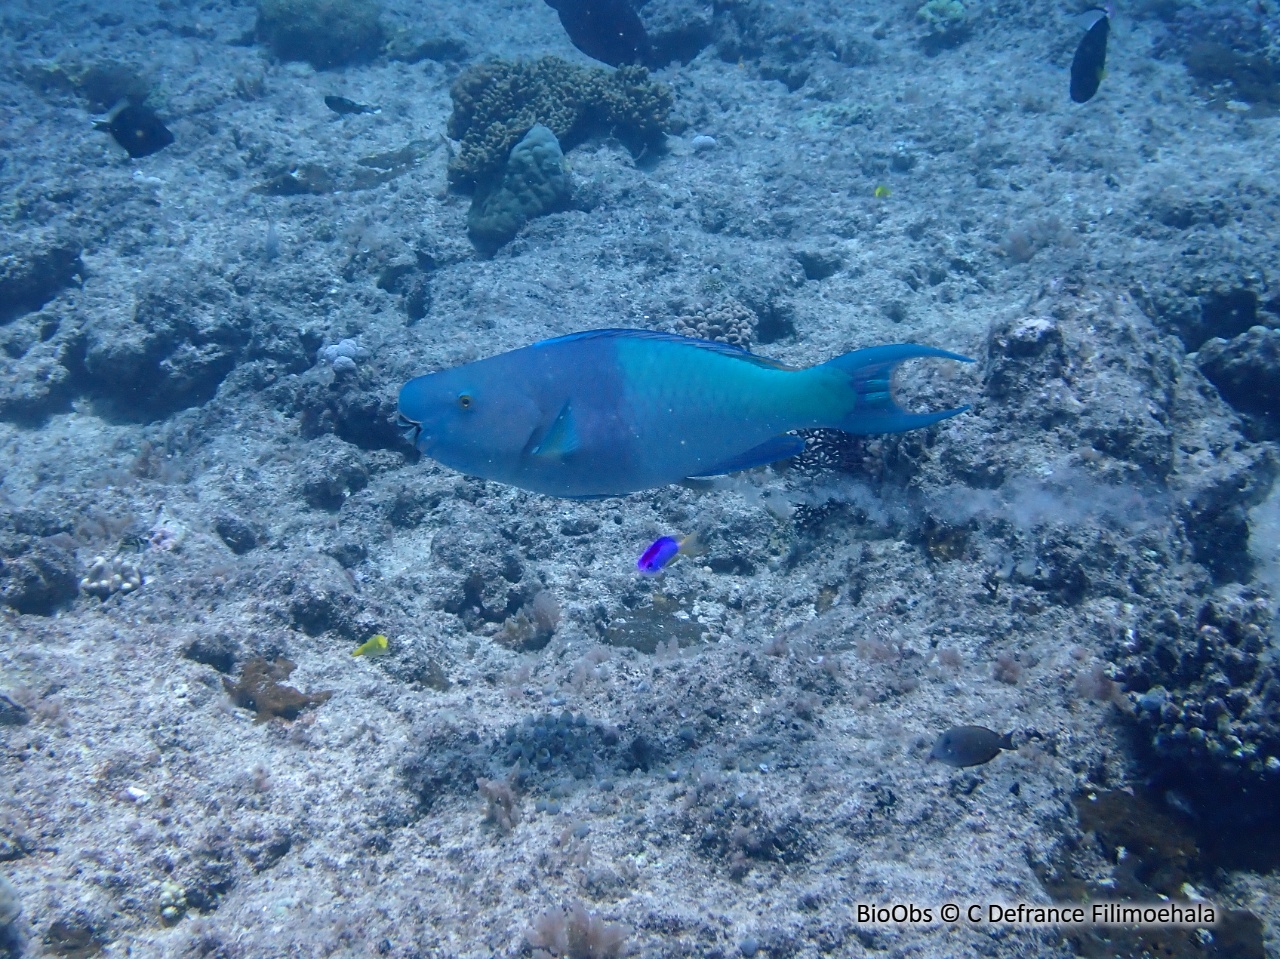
(870, 372)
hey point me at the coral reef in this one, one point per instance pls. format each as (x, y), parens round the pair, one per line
(1246, 371)
(1205, 688)
(563, 741)
(107, 576)
(1236, 46)
(36, 575)
(496, 103)
(240, 535)
(31, 277)
(342, 357)
(325, 33)
(1138, 849)
(535, 182)
(170, 352)
(946, 24)
(752, 757)
(728, 321)
(172, 902)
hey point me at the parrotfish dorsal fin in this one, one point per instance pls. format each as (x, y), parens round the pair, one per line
(562, 438)
(726, 349)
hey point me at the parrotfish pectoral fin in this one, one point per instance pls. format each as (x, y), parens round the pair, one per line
(770, 451)
(408, 428)
(870, 371)
(562, 438)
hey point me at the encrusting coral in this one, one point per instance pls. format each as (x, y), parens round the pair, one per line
(496, 103)
(726, 322)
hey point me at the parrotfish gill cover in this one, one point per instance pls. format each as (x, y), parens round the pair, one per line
(610, 412)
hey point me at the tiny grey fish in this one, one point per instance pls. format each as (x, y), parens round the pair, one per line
(969, 745)
(343, 105)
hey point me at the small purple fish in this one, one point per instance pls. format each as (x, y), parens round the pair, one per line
(658, 556)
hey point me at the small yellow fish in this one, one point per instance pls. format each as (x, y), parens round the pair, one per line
(881, 192)
(373, 647)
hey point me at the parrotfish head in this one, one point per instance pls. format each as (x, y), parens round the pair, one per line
(468, 419)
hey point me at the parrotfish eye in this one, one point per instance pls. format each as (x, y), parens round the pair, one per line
(464, 401)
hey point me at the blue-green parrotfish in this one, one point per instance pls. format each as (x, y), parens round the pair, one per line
(610, 412)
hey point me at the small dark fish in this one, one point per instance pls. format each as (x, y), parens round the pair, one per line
(306, 178)
(1090, 61)
(137, 129)
(344, 106)
(607, 30)
(969, 746)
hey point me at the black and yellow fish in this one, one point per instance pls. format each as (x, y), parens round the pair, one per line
(136, 128)
(606, 30)
(1090, 62)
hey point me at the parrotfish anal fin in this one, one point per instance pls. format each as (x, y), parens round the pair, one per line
(770, 451)
(562, 438)
(870, 372)
(712, 346)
